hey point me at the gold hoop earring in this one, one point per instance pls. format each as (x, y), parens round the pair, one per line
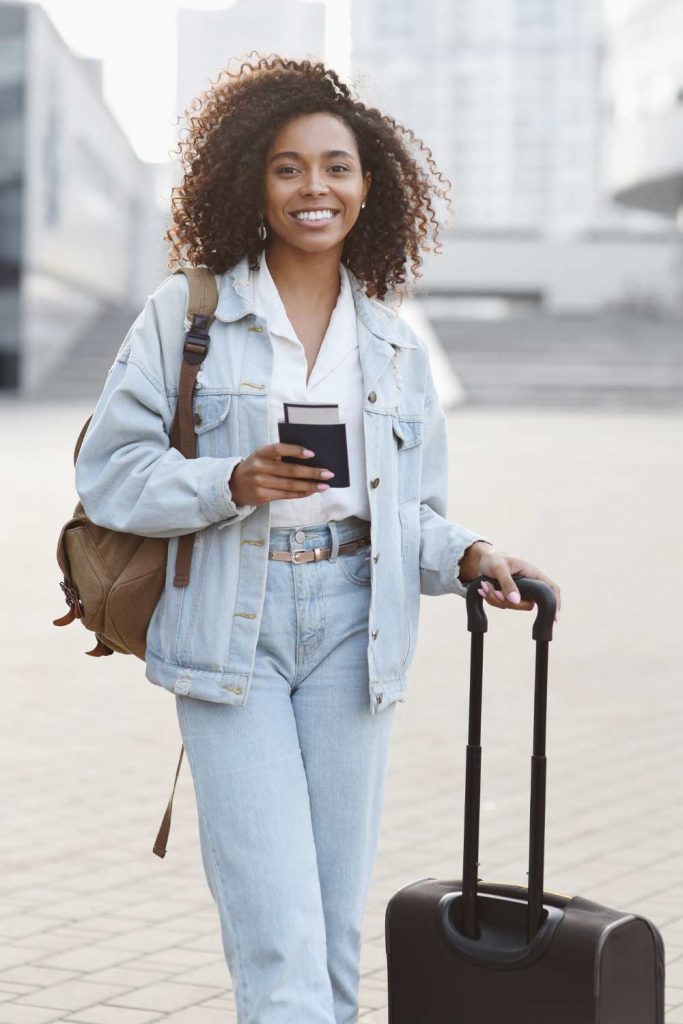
(262, 232)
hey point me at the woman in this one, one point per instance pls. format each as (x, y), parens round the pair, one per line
(288, 651)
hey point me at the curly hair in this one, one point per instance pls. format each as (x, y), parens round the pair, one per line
(215, 209)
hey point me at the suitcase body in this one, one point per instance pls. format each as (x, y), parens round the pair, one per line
(469, 951)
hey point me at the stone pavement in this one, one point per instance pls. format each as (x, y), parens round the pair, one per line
(96, 929)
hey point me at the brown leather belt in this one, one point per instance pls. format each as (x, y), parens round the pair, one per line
(316, 554)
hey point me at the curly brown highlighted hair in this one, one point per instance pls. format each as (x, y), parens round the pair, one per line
(215, 210)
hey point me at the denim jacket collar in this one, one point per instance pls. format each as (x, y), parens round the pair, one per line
(235, 301)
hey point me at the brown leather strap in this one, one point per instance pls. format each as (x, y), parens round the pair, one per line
(82, 434)
(100, 650)
(162, 835)
(201, 305)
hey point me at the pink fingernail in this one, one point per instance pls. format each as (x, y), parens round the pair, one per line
(323, 487)
(485, 587)
(480, 591)
(514, 597)
(307, 451)
(499, 595)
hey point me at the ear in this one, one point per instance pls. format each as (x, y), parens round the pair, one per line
(368, 182)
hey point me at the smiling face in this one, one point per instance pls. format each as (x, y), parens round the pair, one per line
(313, 168)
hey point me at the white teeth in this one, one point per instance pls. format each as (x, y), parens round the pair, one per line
(315, 215)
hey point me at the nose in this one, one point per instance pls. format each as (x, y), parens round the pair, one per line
(313, 186)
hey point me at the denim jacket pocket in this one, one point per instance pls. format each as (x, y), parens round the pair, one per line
(408, 435)
(408, 432)
(209, 412)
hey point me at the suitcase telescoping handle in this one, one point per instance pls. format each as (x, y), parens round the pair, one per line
(544, 598)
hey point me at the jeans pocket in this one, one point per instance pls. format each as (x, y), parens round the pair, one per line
(356, 566)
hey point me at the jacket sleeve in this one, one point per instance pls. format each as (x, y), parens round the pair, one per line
(127, 476)
(442, 543)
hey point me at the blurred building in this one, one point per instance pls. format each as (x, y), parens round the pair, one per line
(644, 152)
(77, 207)
(509, 96)
(208, 39)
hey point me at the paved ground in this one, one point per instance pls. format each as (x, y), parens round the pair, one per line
(98, 930)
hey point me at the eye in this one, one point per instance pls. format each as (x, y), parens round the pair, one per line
(290, 167)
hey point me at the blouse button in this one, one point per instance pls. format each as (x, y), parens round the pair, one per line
(372, 397)
(375, 482)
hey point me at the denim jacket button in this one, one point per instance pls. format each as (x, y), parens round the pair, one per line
(375, 482)
(378, 698)
(374, 634)
(372, 397)
(375, 557)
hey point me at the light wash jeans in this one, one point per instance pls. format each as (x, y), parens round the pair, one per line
(290, 789)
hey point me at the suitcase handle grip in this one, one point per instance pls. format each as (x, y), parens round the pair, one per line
(537, 591)
(544, 597)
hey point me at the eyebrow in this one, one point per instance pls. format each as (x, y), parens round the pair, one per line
(297, 156)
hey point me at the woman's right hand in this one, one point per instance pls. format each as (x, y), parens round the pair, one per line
(263, 476)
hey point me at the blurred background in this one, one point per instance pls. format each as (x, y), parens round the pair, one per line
(554, 319)
(558, 122)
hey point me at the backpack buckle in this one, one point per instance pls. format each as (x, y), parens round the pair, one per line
(197, 339)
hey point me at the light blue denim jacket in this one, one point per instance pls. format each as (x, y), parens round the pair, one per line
(202, 638)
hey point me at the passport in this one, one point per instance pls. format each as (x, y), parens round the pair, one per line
(316, 427)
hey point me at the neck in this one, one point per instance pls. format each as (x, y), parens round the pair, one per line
(306, 277)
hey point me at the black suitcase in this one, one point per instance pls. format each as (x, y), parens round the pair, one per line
(474, 952)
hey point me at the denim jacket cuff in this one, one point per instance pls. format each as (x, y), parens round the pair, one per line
(215, 497)
(450, 565)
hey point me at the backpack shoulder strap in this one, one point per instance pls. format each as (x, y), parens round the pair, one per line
(201, 306)
(203, 297)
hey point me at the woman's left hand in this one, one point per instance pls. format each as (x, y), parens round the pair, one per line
(500, 567)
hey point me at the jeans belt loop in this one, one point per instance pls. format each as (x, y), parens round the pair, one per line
(334, 553)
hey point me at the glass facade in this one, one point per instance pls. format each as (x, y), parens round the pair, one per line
(12, 107)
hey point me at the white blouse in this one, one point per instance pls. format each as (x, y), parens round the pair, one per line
(335, 378)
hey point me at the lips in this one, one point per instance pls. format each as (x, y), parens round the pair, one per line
(319, 210)
(312, 209)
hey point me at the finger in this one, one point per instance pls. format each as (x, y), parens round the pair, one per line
(292, 469)
(490, 595)
(535, 573)
(280, 448)
(288, 485)
(498, 600)
(508, 589)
